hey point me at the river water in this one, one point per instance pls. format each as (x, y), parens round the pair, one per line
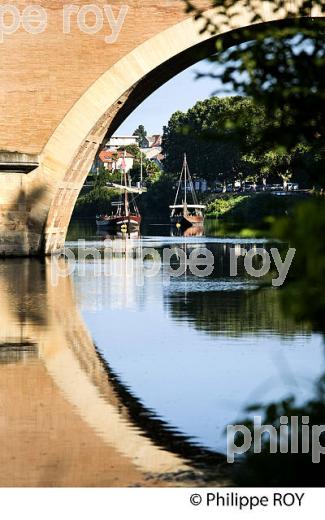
(115, 372)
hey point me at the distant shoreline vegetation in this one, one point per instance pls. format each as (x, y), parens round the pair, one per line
(241, 209)
(255, 208)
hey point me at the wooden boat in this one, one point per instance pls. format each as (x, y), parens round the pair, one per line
(121, 218)
(184, 214)
(126, 217)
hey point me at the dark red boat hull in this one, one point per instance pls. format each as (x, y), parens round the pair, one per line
(188, 220)
(116, 222)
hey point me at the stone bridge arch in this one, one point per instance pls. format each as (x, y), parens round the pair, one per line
(42, 201)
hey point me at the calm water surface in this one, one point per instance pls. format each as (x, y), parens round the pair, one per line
(122, 378)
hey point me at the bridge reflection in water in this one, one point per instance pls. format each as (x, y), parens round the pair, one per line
(66, 420)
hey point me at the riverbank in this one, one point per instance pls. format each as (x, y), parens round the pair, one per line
(255, 208)
(240, 209)
(96, 200)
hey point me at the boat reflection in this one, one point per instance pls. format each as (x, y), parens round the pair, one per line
(117, 234)
(193, 231)
(67, 420)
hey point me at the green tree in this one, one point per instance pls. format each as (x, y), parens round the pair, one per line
(134, 150)
(150, 170)
(280, 66)
(141, 133)
(155, 203)
(221, 137)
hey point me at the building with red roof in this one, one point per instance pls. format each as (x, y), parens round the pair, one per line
(116, 160)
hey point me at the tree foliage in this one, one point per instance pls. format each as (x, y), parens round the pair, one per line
(213, 147)
(281, 67)
(225, 140)
(141, 134)
(150, 170)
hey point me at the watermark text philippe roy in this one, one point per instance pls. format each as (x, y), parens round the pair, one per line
(293, 435)
(173, 262)
(90, 19)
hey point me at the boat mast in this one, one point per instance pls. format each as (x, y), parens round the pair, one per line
(178, 190)
(126, 200)
(185, 183)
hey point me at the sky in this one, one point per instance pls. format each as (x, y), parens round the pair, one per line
(180, 93)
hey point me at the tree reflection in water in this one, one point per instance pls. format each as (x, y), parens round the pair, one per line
(299, 305)
(303, 299)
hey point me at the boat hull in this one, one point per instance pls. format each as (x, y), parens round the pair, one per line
(187, 220)
(117, 222)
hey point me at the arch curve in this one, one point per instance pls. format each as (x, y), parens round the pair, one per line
(67, 157)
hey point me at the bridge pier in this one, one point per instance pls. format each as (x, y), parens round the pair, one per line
(24, 204)
(16, 239)
(37, 196)
(17, 236)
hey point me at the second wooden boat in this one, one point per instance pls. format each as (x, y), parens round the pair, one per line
(184, 214)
